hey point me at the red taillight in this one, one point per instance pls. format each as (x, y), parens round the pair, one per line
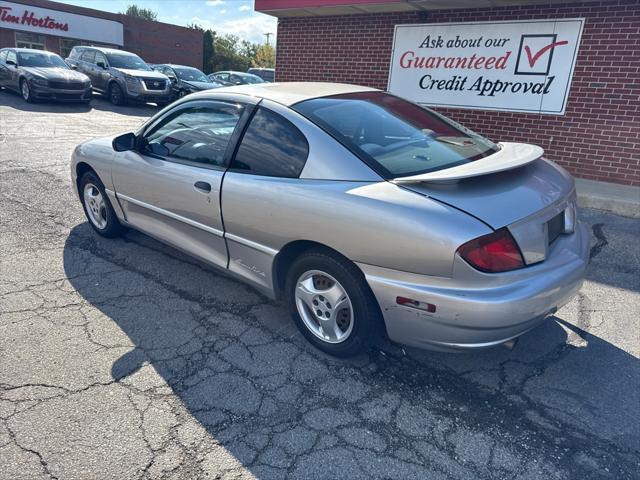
(495, 252)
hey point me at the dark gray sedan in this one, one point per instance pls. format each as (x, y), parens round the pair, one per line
(185, 79)
(36, 74)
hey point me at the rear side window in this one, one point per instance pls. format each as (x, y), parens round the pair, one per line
(271, 146)
(89, 56)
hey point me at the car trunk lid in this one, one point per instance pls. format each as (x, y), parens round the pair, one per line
(529, 200)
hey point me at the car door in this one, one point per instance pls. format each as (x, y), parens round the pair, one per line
(4, 74)
(87, 66)
(170, 187)
(173, 78)
(101, 74)
(12, 79)
(264, 170)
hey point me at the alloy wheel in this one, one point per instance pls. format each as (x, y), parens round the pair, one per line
(95, 206)
(24, 88)
(115, 95)
(324, 306)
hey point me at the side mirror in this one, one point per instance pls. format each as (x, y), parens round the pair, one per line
(101, 65)
(11, 62)
(74, 67)
(124, 142)
(173, 79)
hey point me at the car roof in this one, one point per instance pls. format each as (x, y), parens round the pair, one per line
(30, 50)
(173, 65)
(105, 50)
(289, 93)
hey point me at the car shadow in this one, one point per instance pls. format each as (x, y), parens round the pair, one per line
(234, 360)
(12, 99)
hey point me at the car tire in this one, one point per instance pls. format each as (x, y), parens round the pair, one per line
(25, 91)
(116, 96)
(355, 320)
(98, 208)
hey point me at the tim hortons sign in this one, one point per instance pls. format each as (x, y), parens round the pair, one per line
(522, 66)
(17, 16)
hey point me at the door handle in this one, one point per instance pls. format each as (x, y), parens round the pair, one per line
(203, 186)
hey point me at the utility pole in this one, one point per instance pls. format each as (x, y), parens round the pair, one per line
(268, 35)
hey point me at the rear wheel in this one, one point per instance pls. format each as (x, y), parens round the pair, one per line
(332, 305)
(97, 207)
(116, 96)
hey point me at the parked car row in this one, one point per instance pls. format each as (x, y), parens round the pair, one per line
(119, 75)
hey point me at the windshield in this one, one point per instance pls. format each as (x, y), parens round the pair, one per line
(395, 136)
(190, 74)
(44, 60)
(249, 78)
(129, 61)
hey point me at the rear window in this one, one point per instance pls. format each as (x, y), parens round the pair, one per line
(271, 146)
(394, 136)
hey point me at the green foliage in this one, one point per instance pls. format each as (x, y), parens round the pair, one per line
(264, 57)
(229, 52)
(146, 13)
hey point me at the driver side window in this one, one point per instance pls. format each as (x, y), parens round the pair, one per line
(101, 58)
(11, 56)
(198, 134)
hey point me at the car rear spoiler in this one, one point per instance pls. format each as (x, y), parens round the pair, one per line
(510, 156)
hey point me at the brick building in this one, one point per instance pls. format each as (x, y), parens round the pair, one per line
(596, 132)
(58, 27)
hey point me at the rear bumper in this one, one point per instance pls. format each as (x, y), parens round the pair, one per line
(481, 310)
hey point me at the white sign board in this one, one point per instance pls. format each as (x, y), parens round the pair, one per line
(17, 16)
(522, 66)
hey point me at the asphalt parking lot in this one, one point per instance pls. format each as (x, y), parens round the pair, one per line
(124, 359)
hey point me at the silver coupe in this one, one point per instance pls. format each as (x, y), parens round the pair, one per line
(367, 214)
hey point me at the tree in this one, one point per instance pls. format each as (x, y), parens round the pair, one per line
(264, 57)
(208, 50)
(140, 12)
(195, 26)
(227, 54)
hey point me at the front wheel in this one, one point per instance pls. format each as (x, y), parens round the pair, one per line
(25, 90)
(332, 305)
(97, 207)
(116, 97)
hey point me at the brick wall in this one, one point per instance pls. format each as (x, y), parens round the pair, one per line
(598, 137)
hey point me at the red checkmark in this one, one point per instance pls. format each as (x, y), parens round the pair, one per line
(533, 59)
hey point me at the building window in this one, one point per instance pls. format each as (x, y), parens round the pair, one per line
(66, 44)
(30, 40)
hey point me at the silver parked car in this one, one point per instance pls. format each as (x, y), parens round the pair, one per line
(121, 76)
(366, 213)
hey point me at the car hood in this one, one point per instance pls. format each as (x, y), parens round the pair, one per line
(504, 197)
(143, 73)
(57, 74)
(202, 85)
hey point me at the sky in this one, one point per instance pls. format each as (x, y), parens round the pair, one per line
(223, 16)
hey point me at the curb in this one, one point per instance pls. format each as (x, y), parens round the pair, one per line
(619, 199)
